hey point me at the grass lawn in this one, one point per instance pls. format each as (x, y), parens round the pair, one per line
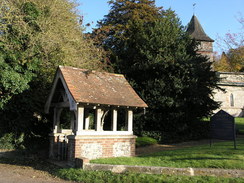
(220, 155)
(108, 177)
(83, 176)
(240, 124)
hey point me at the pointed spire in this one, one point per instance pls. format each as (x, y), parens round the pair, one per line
(196, 31)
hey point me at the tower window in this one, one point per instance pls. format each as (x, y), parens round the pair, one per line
(231, 100)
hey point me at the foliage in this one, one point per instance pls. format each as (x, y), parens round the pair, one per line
(222, 64)
(145, 141)
(16, 52)
(220, 155)
(233, 44)
(35, 37)
(108, 177)
(233, 40)
(236, 57)
(10, 141)
(111, 30)
(160, 61)
(232, 61)
(157, 135)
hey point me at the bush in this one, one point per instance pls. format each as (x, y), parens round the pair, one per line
(145, 141)
(153, 134)
(7, 141)
(196, 130)
(10, 141)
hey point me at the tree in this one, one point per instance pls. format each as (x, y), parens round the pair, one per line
(222, 64)
(233, 61)
(236, 57)
(35, 37)
(15, 53)
(160, 61)
(233, 44)
(111, 29)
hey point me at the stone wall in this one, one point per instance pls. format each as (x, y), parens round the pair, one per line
(206, 49)
(93, 147)
(165, 170)
(232, 99)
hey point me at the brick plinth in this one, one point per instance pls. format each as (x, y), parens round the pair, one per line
(93, 147)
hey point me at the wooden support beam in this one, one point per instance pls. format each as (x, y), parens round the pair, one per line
(130, 120)
(80, 120)
(115, 119)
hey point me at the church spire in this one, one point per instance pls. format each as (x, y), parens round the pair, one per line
(196, 31)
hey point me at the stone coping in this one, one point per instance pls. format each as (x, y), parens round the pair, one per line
(101, 136)
(231, 73)
(166, 170)
(231, 84)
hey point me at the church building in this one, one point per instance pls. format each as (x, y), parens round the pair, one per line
(232, 98)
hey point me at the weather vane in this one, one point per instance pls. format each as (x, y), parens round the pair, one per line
(194, 8)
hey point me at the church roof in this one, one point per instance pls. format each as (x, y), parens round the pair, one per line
(96, 88)
(196, 31)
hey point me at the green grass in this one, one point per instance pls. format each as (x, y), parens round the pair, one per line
(145, 141)
(108, 177)
(83, 176)
(240, 124)
(220, 155)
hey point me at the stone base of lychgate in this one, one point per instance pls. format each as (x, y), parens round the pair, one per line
(93, 147)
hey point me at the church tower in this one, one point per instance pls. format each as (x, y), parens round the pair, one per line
(196, 31)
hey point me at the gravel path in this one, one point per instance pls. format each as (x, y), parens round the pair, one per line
(25, 174)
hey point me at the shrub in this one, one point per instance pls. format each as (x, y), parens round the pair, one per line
(153, 134)
(10, 141)
(145, 141)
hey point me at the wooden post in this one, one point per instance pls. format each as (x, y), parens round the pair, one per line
(87, 119)
(99, 114)
(55, 127)
(72, 121)
(57, 113)
(80, 120)
(115, 119)
(130, 120)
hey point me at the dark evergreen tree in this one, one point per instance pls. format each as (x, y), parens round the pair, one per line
(160, 61)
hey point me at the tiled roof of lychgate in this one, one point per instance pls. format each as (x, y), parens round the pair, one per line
(100, 88)
(196, 31)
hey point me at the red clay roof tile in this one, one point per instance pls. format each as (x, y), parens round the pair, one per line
(100, 88)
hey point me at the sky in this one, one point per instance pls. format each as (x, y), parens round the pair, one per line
(217, 17)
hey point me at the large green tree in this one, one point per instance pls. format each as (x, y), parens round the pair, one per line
(160, 60)
(35, 37)
(110, 33)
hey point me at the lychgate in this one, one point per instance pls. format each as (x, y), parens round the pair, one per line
(92, 114)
